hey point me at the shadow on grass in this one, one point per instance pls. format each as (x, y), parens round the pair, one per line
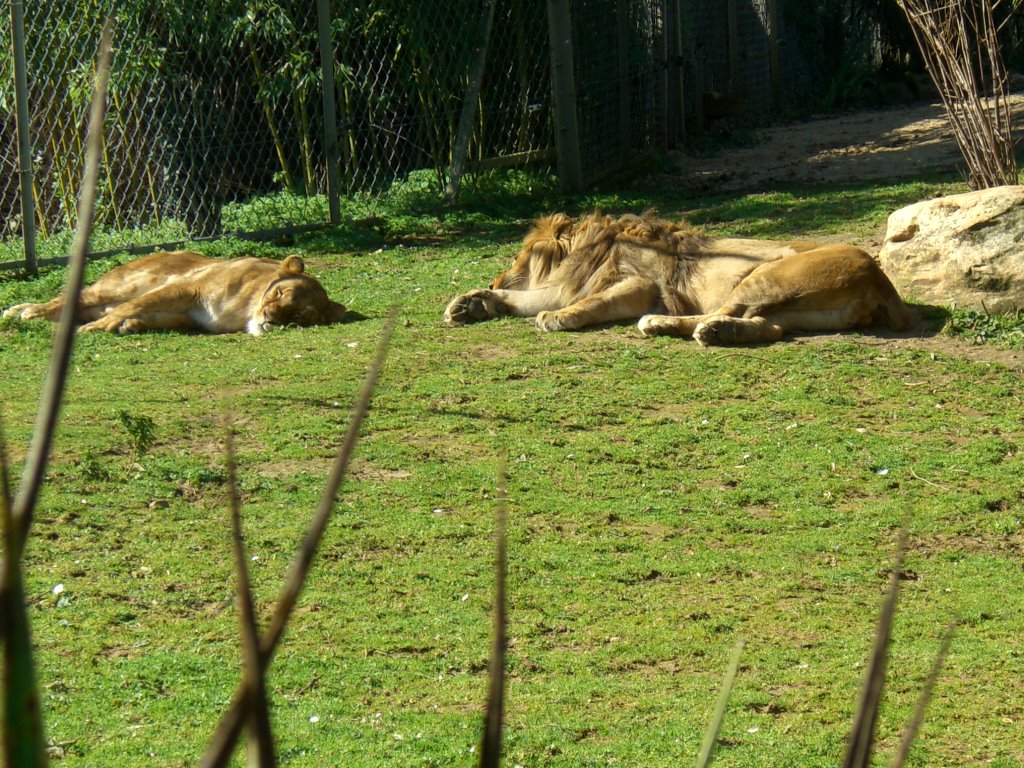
(487, 216)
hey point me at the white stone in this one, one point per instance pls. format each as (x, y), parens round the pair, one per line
(965, 249)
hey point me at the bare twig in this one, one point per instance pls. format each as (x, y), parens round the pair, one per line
(261, 738)
(926, 481)
(922, 702)
(960, 45)
(490, 751)
(5, 475)
(861, 741)
(24, 743)
(219, 750)
(60, 357)
(707, 747)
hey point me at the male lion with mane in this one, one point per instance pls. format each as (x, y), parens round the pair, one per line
(599, 269)
(184, 291)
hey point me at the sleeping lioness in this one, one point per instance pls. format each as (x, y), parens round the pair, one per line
(185, 291)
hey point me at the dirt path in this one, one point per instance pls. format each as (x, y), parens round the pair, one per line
(862, 146)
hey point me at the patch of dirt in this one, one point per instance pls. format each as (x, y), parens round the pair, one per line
(876, 145)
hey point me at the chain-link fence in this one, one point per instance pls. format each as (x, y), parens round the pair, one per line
(735, 59)
(620, 75)
(406, 70)
(217, 124)
(205, 114)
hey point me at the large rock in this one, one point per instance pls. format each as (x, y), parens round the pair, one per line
(964, 249)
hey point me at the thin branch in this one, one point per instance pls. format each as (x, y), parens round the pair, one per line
(60, 358)
(24, 743)
(6, 499)
(861, 741)
(219, 750)
(707, 747)
(490, 751)
(926, 694)
(960, 46)
(261, 738)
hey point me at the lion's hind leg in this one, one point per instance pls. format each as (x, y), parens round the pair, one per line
(724, 330)
(624, 300)
(168, 308)
(49, 310)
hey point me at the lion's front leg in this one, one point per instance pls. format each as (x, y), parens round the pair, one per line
(49, 310)
(477, 306)
(623, 301)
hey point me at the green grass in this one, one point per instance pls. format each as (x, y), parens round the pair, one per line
(664, 501)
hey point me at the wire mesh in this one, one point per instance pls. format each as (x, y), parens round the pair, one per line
(207, 112)
(730, 52)
(619, 63)
(216, 120)
(404, 74)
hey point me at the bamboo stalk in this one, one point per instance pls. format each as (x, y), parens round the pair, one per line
(307, 146)
(268, 114)
(66, 197)
(40, 213)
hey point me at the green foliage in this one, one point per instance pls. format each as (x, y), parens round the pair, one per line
(982, 328)
(141, 431)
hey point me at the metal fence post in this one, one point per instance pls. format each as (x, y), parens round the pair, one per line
(28, 208)
(332, 155)
(563, 92)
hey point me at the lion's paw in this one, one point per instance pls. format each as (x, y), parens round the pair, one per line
(725, 330)
(713, 332)
(113, 324)
(550, 321)
(16, 310)
(474, 307)
(656, 325)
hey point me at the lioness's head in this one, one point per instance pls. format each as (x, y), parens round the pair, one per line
(294, 298)
(543, 250)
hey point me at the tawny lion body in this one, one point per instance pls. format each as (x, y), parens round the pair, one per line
(181, 290)
(575, 273)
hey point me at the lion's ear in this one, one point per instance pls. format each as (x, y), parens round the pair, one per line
(293, 265)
